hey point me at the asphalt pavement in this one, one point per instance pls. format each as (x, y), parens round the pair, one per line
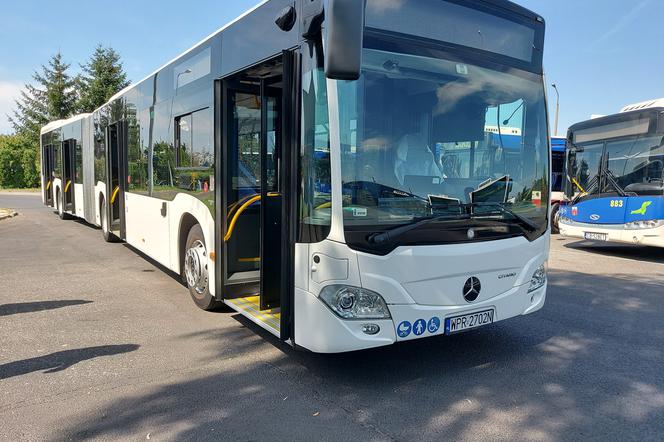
(96, 342)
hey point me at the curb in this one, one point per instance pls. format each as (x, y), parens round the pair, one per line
(7, 213)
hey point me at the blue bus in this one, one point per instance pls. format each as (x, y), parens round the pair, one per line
(558, 156)
(615, 177)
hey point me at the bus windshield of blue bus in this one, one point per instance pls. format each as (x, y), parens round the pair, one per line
(629, 166)
(417, 130)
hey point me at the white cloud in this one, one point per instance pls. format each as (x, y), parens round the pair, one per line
(9, 91)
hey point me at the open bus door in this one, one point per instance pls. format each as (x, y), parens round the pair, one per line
(48, 159)
(68, 174)
(116, 136)
(255, 232)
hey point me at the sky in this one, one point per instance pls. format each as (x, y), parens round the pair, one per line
(602, 54)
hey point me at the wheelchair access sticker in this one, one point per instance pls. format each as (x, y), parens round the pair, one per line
(419, 327)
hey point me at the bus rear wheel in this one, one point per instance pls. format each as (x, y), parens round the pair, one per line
(195, 270)
(105, 229)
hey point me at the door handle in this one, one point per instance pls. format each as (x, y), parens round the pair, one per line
(163, 210)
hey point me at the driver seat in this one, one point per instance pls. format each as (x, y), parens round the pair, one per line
(413, 157)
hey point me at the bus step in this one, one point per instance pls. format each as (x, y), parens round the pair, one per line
(249, 307)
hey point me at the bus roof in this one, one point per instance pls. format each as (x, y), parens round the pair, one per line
(62, 123)
(502, 4)
(182, 55)
(644, 105)
(632, 123)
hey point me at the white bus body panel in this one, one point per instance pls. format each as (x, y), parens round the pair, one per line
(418, 282)
(146, 229)
(79, 201)
(644, 237)
(99, 193)
(158, 236)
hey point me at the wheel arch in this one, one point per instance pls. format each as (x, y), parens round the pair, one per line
(187, 222)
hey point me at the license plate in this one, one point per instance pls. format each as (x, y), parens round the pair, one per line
(458, 324)
(591, 236)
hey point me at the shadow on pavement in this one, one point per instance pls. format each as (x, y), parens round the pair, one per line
(61, 360)
(588, 366)
(38, 306)
(626, 251)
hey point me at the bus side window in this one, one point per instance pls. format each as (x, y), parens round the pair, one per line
(194, 151)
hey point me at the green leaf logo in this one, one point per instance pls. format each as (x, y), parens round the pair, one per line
(643, 209)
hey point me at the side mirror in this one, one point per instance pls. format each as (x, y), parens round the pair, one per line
(344, 20)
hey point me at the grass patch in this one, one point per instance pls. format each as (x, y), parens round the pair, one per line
(30, 189)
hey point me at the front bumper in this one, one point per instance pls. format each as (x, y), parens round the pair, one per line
(321, 331)
(644, 237)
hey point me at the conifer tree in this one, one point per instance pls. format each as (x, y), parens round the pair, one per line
(103, 76)
(52, 97)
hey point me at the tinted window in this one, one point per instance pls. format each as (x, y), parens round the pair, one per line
(137, 158)
(195, 151)
(449, 22)
(100, 150)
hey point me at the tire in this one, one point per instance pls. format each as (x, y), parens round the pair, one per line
(555, 228)
(195, 270)
(105, 229)
(61, 206)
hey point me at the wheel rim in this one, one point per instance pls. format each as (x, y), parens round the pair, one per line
(195, 267)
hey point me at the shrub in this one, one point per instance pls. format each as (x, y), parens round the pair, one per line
(19, 162)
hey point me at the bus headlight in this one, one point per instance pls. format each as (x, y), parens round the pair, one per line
(651, 224)
(354, 302)
(538, 279)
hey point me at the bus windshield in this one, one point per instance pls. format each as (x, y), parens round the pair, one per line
(635, 164)
(423, 137)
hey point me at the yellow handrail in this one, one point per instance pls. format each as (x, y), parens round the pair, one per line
(115, 194)
(67, 186)
(241, 210)
(48, 185)
(237, 203)
(578, 185)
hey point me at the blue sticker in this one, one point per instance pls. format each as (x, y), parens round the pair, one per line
(434, 325)
(403, 330)
(419, 327)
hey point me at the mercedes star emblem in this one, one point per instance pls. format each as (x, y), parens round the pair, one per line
(471, 289)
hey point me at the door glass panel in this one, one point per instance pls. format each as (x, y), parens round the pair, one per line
(272, 145)
(244, 175)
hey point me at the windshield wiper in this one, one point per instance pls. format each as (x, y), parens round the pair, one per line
(611, 178)
(530, 225)
(392, 234)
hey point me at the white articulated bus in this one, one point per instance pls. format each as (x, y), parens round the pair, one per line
(329, 169)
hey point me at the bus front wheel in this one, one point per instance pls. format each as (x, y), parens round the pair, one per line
(195, 270)
(555, 217)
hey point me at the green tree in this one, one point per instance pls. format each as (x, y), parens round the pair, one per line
(18, 162)
(103, 76)
(53, 97)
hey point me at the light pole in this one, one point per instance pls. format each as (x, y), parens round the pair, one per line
(557, 107)
(177, 80)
